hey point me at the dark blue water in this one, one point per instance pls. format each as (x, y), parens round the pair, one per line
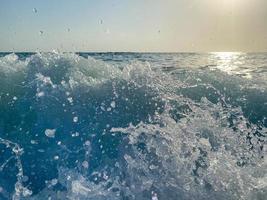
(133, 126)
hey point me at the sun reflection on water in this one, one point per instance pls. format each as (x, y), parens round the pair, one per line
(227, 55)
(231, 63)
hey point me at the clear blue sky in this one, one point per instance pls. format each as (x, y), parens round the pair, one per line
(133, 25)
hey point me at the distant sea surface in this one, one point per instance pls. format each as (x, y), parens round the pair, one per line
(133, 126)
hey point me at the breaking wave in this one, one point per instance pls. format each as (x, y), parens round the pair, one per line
(76, 127)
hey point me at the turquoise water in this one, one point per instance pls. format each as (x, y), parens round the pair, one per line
(133, 126)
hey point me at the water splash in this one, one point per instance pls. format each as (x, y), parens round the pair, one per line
(92, 129)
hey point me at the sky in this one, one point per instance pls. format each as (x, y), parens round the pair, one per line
(133, 25)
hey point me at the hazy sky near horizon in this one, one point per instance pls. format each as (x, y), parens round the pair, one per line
(133, 25)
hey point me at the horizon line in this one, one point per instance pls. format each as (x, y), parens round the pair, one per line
(160, 52)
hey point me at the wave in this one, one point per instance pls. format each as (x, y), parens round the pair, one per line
(74, 127)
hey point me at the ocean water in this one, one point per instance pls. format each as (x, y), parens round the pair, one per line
(110, 126)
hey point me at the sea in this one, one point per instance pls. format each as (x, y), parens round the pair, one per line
(133, 126)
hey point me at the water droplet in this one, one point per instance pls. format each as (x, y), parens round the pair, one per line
(40, 94)
(70, 100)
(54, 181)
(33, 142)
(34, 10)
(105, 176)
(113, 104)
(50, 133)
(76, 134)
(75, 119)
(26, 192)
(85, 164)
(154, 196)
(56, 157)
